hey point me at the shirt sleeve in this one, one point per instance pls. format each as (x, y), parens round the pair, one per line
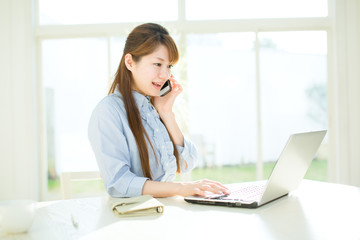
(188, 154)
(107, 139)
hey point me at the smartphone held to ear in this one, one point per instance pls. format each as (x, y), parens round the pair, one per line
(165, 89)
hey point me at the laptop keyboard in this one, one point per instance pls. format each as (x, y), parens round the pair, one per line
(251, 192)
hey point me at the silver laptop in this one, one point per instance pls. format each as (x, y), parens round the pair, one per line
(286, 176)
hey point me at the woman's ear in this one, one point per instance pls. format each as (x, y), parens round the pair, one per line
(129, 62)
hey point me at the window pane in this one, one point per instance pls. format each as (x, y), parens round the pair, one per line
(105, 11)
(222, 101)
(293, 69)
(238, 9)
(75, 78)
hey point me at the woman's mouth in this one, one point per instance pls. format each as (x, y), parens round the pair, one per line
(157, 85)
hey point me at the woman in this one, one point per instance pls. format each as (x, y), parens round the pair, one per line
(137, 142)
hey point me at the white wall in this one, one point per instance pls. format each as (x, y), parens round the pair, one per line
(18, 160)
(346, 102)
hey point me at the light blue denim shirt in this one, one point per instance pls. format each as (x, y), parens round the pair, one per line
(116, 151)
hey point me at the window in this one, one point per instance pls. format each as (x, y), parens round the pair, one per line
(293, 70)
(246, 87)
(292, 93)
(221, 82)
(55, 12)
(74, 73)
(243, 9)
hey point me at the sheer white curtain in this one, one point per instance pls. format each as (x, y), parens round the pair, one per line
(345, 117)
(18, 132)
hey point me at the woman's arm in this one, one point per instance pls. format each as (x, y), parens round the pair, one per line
(169, 189)
(111, 148)
(164, 106)
(166, 189)
(173, 128)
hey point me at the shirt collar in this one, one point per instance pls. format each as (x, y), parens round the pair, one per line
(140, 99)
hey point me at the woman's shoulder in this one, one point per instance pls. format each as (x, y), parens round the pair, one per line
(112, 103)
(108, 118)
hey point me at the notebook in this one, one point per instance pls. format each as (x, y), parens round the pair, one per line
(136, 206)
(286, 176)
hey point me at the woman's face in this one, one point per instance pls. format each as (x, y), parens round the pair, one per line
(151, 72)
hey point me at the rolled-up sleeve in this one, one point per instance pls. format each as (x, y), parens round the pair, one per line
(110, 146)
(188, 154)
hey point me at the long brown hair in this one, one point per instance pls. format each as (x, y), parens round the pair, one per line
(143, 40)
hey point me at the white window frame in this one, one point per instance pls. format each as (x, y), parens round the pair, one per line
(185, 27)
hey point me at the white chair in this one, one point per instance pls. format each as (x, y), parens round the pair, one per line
(66, 179)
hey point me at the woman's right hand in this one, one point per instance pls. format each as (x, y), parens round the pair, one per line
(201, 187)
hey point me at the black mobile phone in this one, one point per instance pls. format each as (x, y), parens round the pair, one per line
(165, 89)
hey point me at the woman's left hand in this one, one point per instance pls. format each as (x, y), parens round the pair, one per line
(164, 104)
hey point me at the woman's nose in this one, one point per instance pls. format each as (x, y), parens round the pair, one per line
(165, 74)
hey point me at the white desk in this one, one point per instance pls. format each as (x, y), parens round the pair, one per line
(315, 211)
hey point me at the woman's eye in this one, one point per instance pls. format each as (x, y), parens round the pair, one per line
(171, 66)
(157, 64)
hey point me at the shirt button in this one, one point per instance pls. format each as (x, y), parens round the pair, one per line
(149, 114)
(163, 146)
(156, 130)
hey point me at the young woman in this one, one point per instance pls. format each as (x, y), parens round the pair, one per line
(137, 142)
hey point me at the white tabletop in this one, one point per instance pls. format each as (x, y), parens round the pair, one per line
(315, 211)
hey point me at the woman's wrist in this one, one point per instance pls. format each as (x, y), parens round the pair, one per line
(167, 116)
(178, 188)
(162, 189)
(184, 189)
